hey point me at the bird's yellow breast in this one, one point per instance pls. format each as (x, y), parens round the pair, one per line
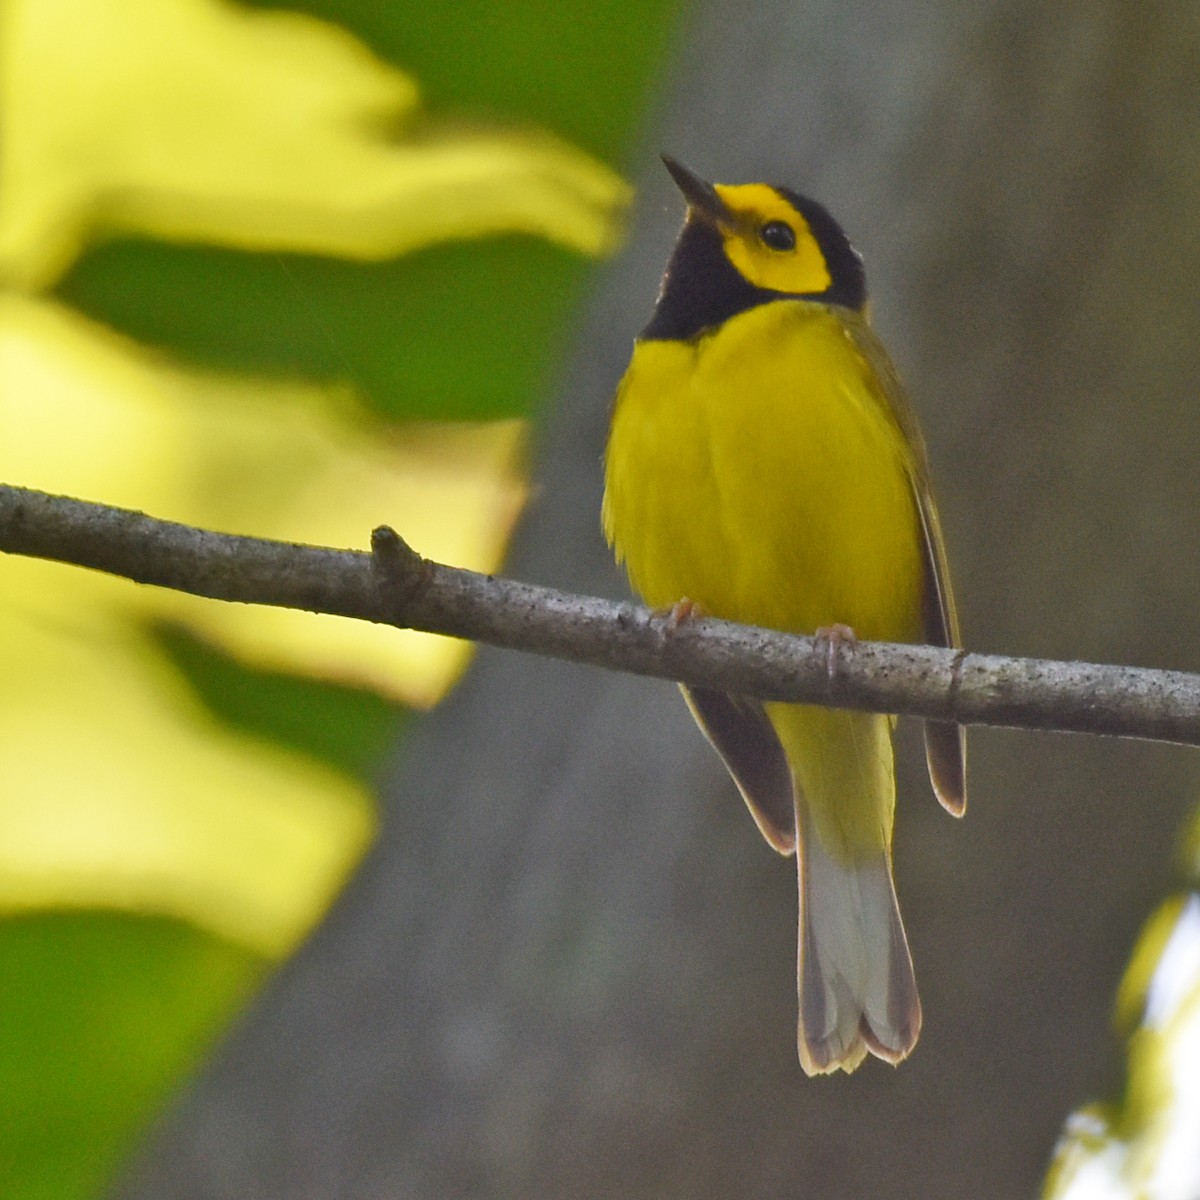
(758, 471)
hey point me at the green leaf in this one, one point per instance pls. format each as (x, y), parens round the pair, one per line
(348, 728)
(586, 74)
(455, 331)
(100, 1016)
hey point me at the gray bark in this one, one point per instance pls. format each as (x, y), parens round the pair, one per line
(567, 968)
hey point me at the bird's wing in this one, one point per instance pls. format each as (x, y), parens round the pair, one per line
(738, 728)
(945, 742)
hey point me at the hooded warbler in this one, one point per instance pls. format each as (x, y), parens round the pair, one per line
(764, 465)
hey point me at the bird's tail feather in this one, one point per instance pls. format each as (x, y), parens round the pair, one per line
(856, 983)
(857, 991)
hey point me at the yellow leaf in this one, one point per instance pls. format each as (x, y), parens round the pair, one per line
(88, 413)
(120, 792)
(198, 120)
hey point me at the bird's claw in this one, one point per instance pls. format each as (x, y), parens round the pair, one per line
(835, 638)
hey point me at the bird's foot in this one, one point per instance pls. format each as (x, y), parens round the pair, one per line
(681, 612)
(835, 639)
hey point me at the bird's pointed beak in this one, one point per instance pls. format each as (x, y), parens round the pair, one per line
(702, 197)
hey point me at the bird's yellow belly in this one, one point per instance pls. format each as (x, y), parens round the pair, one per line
(758, 473)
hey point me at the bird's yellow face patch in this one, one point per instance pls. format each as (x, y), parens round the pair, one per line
(769, 242)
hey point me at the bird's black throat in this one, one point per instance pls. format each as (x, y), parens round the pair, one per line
(701, 288)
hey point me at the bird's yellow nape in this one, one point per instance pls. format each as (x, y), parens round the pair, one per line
(770, 243)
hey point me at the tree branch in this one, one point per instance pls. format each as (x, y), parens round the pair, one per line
(393, 585)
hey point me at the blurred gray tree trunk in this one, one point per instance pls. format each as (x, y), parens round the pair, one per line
(567, 967)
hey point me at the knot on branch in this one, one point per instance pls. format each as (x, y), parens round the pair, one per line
(400, 572)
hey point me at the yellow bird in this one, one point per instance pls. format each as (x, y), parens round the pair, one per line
(764, 466)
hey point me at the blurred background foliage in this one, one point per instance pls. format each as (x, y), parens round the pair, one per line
(254, 259)
(1144, 1143)
(294, 269)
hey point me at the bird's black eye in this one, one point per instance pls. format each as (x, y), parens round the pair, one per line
(779, 235)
